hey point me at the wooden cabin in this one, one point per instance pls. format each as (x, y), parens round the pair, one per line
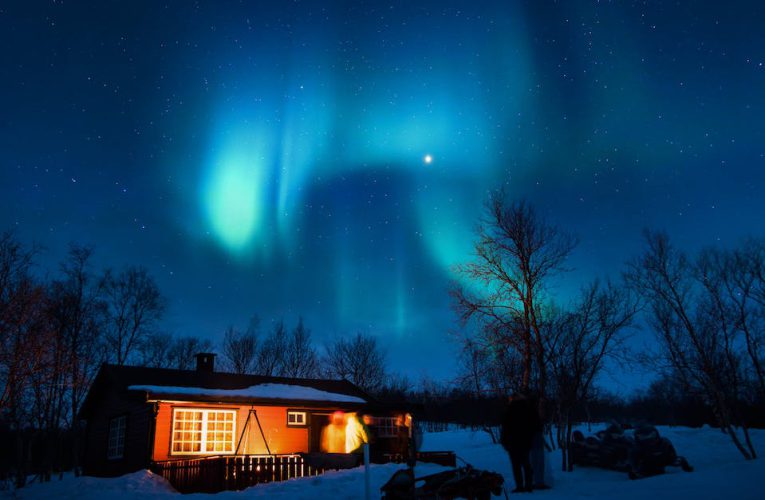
(137, 416)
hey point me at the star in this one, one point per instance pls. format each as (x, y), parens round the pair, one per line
(427, 159)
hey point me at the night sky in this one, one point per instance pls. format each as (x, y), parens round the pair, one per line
(330, 159)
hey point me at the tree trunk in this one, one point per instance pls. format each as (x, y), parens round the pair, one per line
(748, 440)
(564, 449)
(734, 437)
(569, 431)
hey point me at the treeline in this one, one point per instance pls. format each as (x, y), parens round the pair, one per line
(292, 352)
(664, 402)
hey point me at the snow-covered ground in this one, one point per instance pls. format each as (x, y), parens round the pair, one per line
(720, 472)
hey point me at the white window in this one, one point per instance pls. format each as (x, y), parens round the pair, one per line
(295, 418)
(203, 432)
(116, 444)
(386, 426)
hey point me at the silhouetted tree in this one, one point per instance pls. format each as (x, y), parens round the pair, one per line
(270, 361)
(24, 332)
(78, 313)
(517, 252)
(155, 349)
(300, 358)
(735, 283)
(134, 306)
(183, 350)
(577, 343)
(240, 353)
(359, 360)
(698, 339)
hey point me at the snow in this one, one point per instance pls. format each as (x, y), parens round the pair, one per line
(138, 484)
(720, 472)
(260, 391)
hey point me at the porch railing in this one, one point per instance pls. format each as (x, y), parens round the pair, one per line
(220, 473)
(237, 472)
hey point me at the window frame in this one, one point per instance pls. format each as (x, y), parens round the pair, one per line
(304, 413)
(121, 430)
(203, 438)
(385, 427)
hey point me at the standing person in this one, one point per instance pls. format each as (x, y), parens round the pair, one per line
(520, 423)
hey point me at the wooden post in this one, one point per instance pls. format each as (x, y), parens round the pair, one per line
(367, 486)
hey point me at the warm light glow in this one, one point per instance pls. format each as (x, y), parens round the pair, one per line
(344, 434)
(333, 435)
(354, 433)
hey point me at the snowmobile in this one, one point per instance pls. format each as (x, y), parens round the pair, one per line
(643, 454)
(462, 482)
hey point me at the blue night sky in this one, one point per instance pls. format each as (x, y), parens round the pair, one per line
(270, 157)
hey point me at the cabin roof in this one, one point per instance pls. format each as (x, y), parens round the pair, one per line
(196, 385)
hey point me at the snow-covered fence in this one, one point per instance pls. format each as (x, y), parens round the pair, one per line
(215, 474)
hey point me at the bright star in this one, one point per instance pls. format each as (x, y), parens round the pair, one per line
(428, 159)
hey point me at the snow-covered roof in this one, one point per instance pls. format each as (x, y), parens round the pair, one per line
(259, 391)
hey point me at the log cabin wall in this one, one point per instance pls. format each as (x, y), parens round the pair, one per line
(137, 443)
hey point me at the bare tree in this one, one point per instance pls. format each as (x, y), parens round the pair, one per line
(577, 345)
(491, 363)
(697, 337)
(239, 351)
(737, 279)
(270, 360)
(359, 360)
(183, 350)
(155, 350)
(25, 336)
(300, 359)
(396, 387)
(77, 313)
(517, 252)
(134, 306)
(483, 372)
(23, 327)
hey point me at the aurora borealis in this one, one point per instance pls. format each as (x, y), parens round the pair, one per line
(270, 157)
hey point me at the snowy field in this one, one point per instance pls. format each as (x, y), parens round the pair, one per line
(720, 472)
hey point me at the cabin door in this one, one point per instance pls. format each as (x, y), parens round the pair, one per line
(317, 423)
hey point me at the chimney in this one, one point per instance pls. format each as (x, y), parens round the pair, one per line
(205, 362)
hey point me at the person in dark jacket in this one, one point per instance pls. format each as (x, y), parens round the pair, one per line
(520, 423)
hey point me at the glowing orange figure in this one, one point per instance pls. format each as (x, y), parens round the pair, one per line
(333, 435)
(355, 434)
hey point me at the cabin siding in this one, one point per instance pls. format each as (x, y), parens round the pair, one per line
(281, 438)
(137, 437)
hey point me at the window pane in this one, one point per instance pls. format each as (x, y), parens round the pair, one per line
(116, 437)
(203, 431)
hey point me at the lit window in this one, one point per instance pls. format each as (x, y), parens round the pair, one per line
(116, 445)
(295, 418)
(202, 432)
